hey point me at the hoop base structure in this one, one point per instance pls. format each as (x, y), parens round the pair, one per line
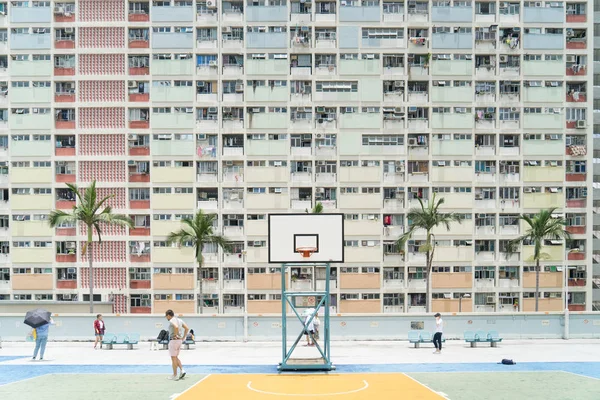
(322, 300)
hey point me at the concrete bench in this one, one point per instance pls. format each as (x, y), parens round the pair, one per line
(128, 340)
(416, 338)
(492, 337)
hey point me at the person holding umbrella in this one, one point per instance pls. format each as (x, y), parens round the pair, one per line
(40, 321)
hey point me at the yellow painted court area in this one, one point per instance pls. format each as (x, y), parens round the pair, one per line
(298, 387)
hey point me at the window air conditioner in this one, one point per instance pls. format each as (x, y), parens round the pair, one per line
(59, 10)
(132, 137)
(210, 4)
(131, 162)
(571, 58)
(212, 63)
(239, 88)
(226, 29)
(226, 109)
(132, 84)
(490, 300)
(213, 110)
(412, 142)
(69, 30)
(503, 59)
(581, 124)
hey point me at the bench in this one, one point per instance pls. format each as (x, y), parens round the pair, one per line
(492, 337)
(128, 340)
(416, 338)
(187, 343)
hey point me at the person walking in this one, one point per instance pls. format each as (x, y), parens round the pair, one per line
(309, 327)
(439, 330)
(99, 329)
(41, 338)
(178, 330)
(317, 325)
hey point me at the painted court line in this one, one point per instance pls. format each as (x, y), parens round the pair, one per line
(366, 385)
(583, 376)
(177, 395)
(444, 395)
(24, 380)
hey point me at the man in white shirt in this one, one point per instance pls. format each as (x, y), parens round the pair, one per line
(178, 330)
(439, 329)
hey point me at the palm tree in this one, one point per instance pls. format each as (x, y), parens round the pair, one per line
(198, 231)
(542, 226)
(93, 214)
(317, 209)
(427, 218)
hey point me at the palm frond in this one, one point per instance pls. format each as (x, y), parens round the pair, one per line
(59, 217)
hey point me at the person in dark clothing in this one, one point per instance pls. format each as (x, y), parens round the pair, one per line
(439, 329)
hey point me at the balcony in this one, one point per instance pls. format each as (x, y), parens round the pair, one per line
(183, 40)
(172, 13)
(453, 121)
(452, 40)
(30, 14)
(266, 13)
(266, 40)
(547, 279)
(64, 38)
(544, 14)
(41, 39)
(138, 12)
(138, 39)
(30, 68)
(543, 41)
(64, 13)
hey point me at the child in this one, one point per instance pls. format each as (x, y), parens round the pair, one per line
(99, 329)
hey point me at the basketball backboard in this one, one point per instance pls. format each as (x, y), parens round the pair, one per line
(288, 232)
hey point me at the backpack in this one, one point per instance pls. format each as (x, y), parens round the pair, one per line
(506, 361)
(162, 335)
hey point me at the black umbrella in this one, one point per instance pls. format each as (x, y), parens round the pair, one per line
(36, 318)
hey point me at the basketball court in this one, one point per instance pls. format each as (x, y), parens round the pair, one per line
(343, 386)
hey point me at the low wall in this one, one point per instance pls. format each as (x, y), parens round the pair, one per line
(343, 327)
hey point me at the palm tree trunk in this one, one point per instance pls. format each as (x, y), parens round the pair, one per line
(90, 263)
(537, 283)
(201, 300)
(427, 281)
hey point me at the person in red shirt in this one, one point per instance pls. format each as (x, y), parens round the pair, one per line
(99, 329)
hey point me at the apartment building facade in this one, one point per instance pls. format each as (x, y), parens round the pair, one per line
(243, 108)
(596, 178)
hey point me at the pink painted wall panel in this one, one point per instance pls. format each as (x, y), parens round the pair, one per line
(101, 145)
(102, 171)
(105, 278)
(105, 230)
(101, 91)
(102, 64)
(101, 37)
(102, 118)
(107, 252)
(101, 10)
(119, 201)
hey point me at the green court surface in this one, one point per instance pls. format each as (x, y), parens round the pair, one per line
(548, 385)
(97, 386)
(511, 385)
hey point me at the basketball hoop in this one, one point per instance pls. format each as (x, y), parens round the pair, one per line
(306, 251)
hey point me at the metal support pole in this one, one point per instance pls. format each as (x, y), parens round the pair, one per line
(566, 332)
(322, 299)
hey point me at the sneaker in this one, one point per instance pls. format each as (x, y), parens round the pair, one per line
(33, 358)
(183, 373)
(173, 378)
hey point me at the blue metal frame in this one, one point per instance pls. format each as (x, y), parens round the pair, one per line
(287, 298)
